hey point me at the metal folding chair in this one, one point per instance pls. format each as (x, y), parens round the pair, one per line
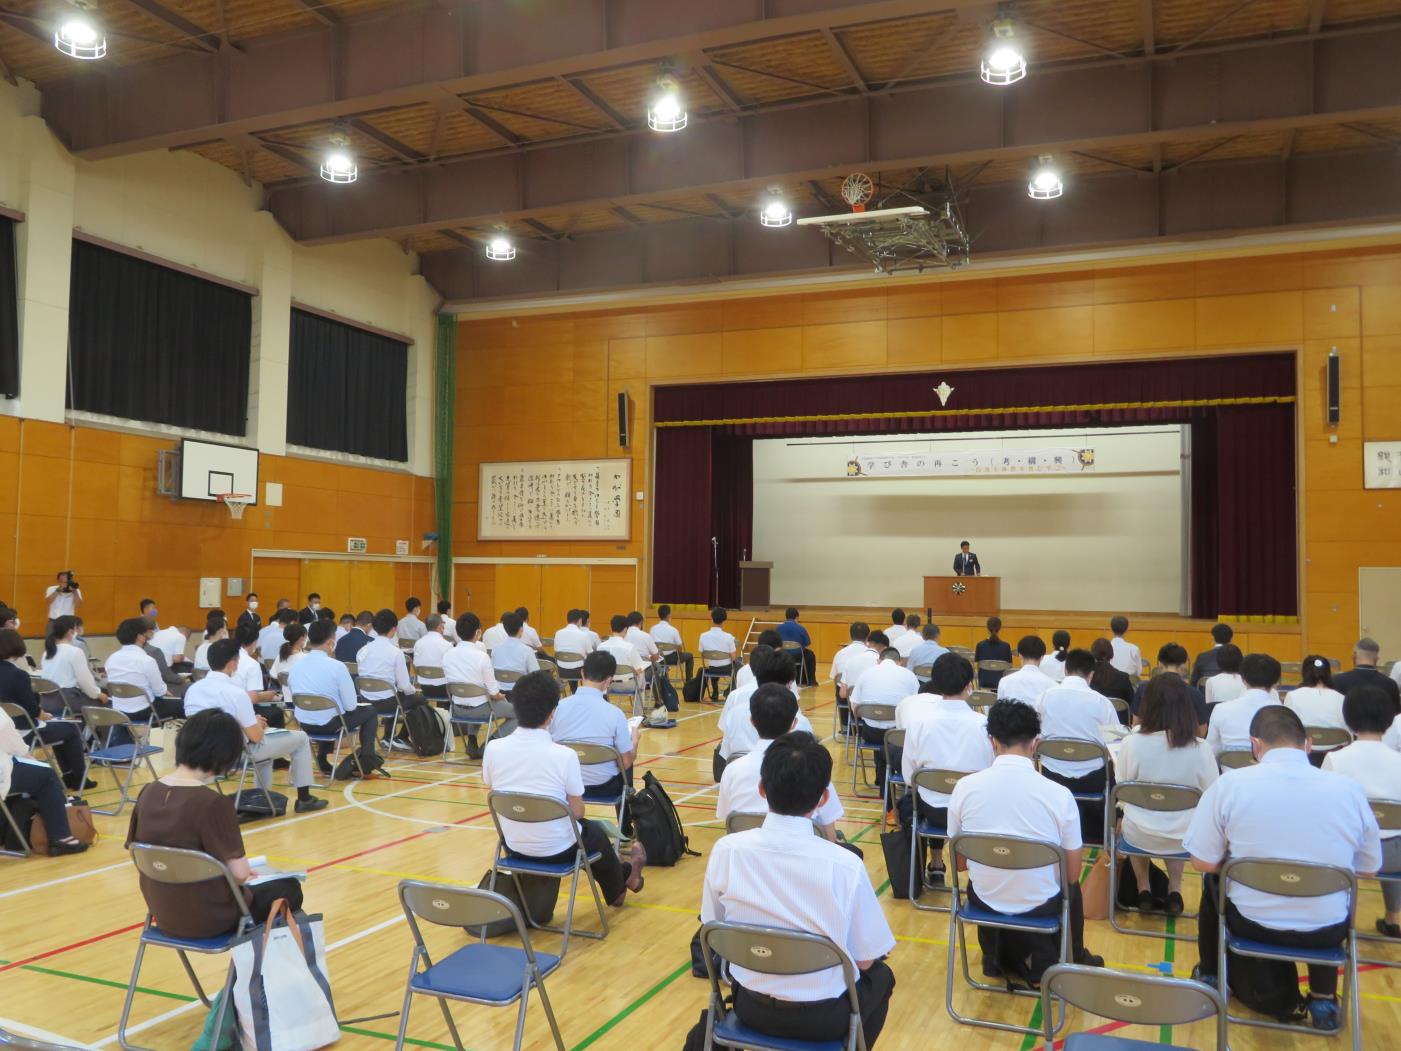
(982, 700)
(1074, 750)
(522, 806)
(462, 714)
(743, 821)
(708, 673)
(1235, 759)
(923, 672)
(772, 950)
(1388, 815)
(1292, 879)
(505, 679)
(794, 652)
(668, 650)
(894, 776)
(965, 652)
(332, 732)
(26, 725)
(1139, 999)
(548, 666)
(838, 729)
(115, 756)
(373, 685)
(1002, 852)
(171, 865)
(19, 1042)
(43, 687)
(124, 691)
(941, 781)
(877, 713)
(563, 657)
(425, 671)
(596, 755)
(1327, 738)
(627, 684)
(476, 973)
(1161, 799)
(1001, 667)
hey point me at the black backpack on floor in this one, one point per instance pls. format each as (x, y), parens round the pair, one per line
(655, 823)
(369, 762)
(425, 731)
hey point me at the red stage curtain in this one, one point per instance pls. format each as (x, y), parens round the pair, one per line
(680, 522)
(732, 513)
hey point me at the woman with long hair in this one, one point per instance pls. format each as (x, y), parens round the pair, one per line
(66, 666)
(216, 627)
(992, 648)
(294, 641)
(1315, 702)
(1165, 750)
(1053, 664)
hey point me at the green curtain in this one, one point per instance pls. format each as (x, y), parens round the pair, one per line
(444, 418)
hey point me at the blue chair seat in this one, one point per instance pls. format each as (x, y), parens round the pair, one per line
(123, 753)
(928, 828)
(613, 798)
(1088, 797)
(490, 973)
(975, 914)
(1125, 847)
(562, 869)
(895, 777)
(1388, 875)
(469, 719)
(1098, 1042)
(730, 1030)
(218, 943)
(319, 736)
(1249, 946)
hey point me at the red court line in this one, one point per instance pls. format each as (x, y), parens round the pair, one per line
(393, 843)
(74, 945)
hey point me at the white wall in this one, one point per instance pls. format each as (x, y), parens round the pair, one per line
(190, 211)
(1103, 540)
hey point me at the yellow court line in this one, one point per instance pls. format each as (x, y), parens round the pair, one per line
(660, 908)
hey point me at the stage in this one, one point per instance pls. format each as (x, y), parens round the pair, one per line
(828, 627)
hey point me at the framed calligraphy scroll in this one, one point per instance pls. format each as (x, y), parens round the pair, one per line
(555, 500)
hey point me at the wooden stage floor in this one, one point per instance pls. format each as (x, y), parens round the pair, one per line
(68, 927)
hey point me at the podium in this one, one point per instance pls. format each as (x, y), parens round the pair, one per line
(754, 585)
(967, 596)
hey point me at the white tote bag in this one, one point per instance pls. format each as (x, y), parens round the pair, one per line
(282, 992)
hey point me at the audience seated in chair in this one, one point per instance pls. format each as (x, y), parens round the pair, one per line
(1126, 656)
(529, 761)
(23, 776)
(134, 666)
(888, 682)
(781, 875)
(897, 626)
(1010, 798)
(215, 628)
(745, 675)
(429, 652)
(1053, 664)
(573, 639)
(927, 651)
(384, 659)
(349, 645)
(1281, 808)
(1365, 672)
(181, 810)
(768, 666)
(249, 675)
(1165, 750)
(1226, 684)
(1316, 702)
(1229, 729)
(321, 674)
(791, 631)
(411, 628)
(510, 653)
(469, 664)
(293, 650)
(992, 648)
(1028, 683)
(1205, 666)
(529, 635)
(16, 687)
(66, 666)
(270, 639)
(907, 640)
(1074, 709)
(717, 640)
(1109, 680)
(218, 691)
(1172, 661)
(591, 718)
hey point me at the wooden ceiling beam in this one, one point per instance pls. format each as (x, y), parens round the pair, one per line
(590, 96)
(200, 37)
(844, 59)
(389, 142)
(319, 11)
(1316, 11)
(1146, 18)
(453, 235)
(544, 229)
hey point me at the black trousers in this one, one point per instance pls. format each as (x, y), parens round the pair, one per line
(713, 676)
(67, 743)
(676, 657)
(434, 693)
(905, 810)
(1033, 952)
(41, 785)
(273, 713)
(1323, 979)
(361, 719)
(387, 707)
(264, 894)
(812, 1019)
(876, 735)
(1091, 814)
(609, 870)
(808, 663)
(164, 707)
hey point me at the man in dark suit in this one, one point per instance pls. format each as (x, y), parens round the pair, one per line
(965, 563)
(357, 638)
(1205, 666)
(1365, 672)
(251, 614)
(311, 610)
(1172, 660)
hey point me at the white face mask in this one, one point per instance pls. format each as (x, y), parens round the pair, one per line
(253, 604)
(315, 606)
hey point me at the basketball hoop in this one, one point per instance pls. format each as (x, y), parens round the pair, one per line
(235, 502)
(857, 190)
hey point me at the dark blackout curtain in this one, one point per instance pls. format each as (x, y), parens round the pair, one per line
(681, 528)
(149, 343)
(347, 389)
(9, 312)
(732, 509)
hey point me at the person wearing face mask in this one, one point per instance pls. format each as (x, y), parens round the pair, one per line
(310, 611)
(251, 615)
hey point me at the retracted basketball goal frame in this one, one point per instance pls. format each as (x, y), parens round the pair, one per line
(910, 237)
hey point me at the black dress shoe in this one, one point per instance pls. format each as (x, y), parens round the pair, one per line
(306, 806)
(325, 767)
(66, 847)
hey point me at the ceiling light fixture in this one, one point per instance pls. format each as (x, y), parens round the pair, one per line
(775, 211)
(1046, 183)
(500, 248)
(339, 165)
(1004, 62)
(666, 112)
(78, 36)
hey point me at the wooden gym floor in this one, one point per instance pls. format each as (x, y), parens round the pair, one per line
(68, 926)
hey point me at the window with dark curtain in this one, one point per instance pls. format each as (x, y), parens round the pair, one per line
(155, 344)
(347, 389)
(9, 312)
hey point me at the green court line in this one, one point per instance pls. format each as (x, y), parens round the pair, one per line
(603, 1030)
(394, 1036)
(1165, 1032)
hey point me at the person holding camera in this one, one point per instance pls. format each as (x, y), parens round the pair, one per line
(63, 598)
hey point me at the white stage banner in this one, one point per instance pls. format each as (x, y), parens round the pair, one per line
(1019, 461)
(1381, 465)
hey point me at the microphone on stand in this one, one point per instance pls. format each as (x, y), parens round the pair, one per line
(715, 561)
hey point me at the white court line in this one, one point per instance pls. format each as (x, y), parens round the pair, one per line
(20, 1029)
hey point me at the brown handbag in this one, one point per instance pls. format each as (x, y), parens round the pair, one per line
(80, 824)
(1095, 890)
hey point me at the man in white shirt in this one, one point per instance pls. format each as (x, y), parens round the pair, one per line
(745, 675)
(171, 642)
(1009, 798)
(174, 685)
(945, 735)
(1229, 729)
(470, 664)
(590, 717)
(1028, 682)
(449, 621)
(926, 651)
(1074, 709)
(897, 626)
(1226, 684)
(529, 635)
(646, 647)
(411, 627)
(781, 875)
(529, 761)
(249, 677)
(428, 652)
(1126, 656)
(1374, 765)
(496, 634)
(717, 640)
(572, 639)
(62, 598)
(345, 626)
(773, 712)
(1281, 808)
(383, 659)
(271, 638)
(908, 639)
(321, 674)
(218, 690)
(511, 654)
(770, 667)
(888, 683)
(132, 665)
(665, 633)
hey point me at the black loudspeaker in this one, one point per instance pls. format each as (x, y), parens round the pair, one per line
(1334, 386)
(623, 421)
